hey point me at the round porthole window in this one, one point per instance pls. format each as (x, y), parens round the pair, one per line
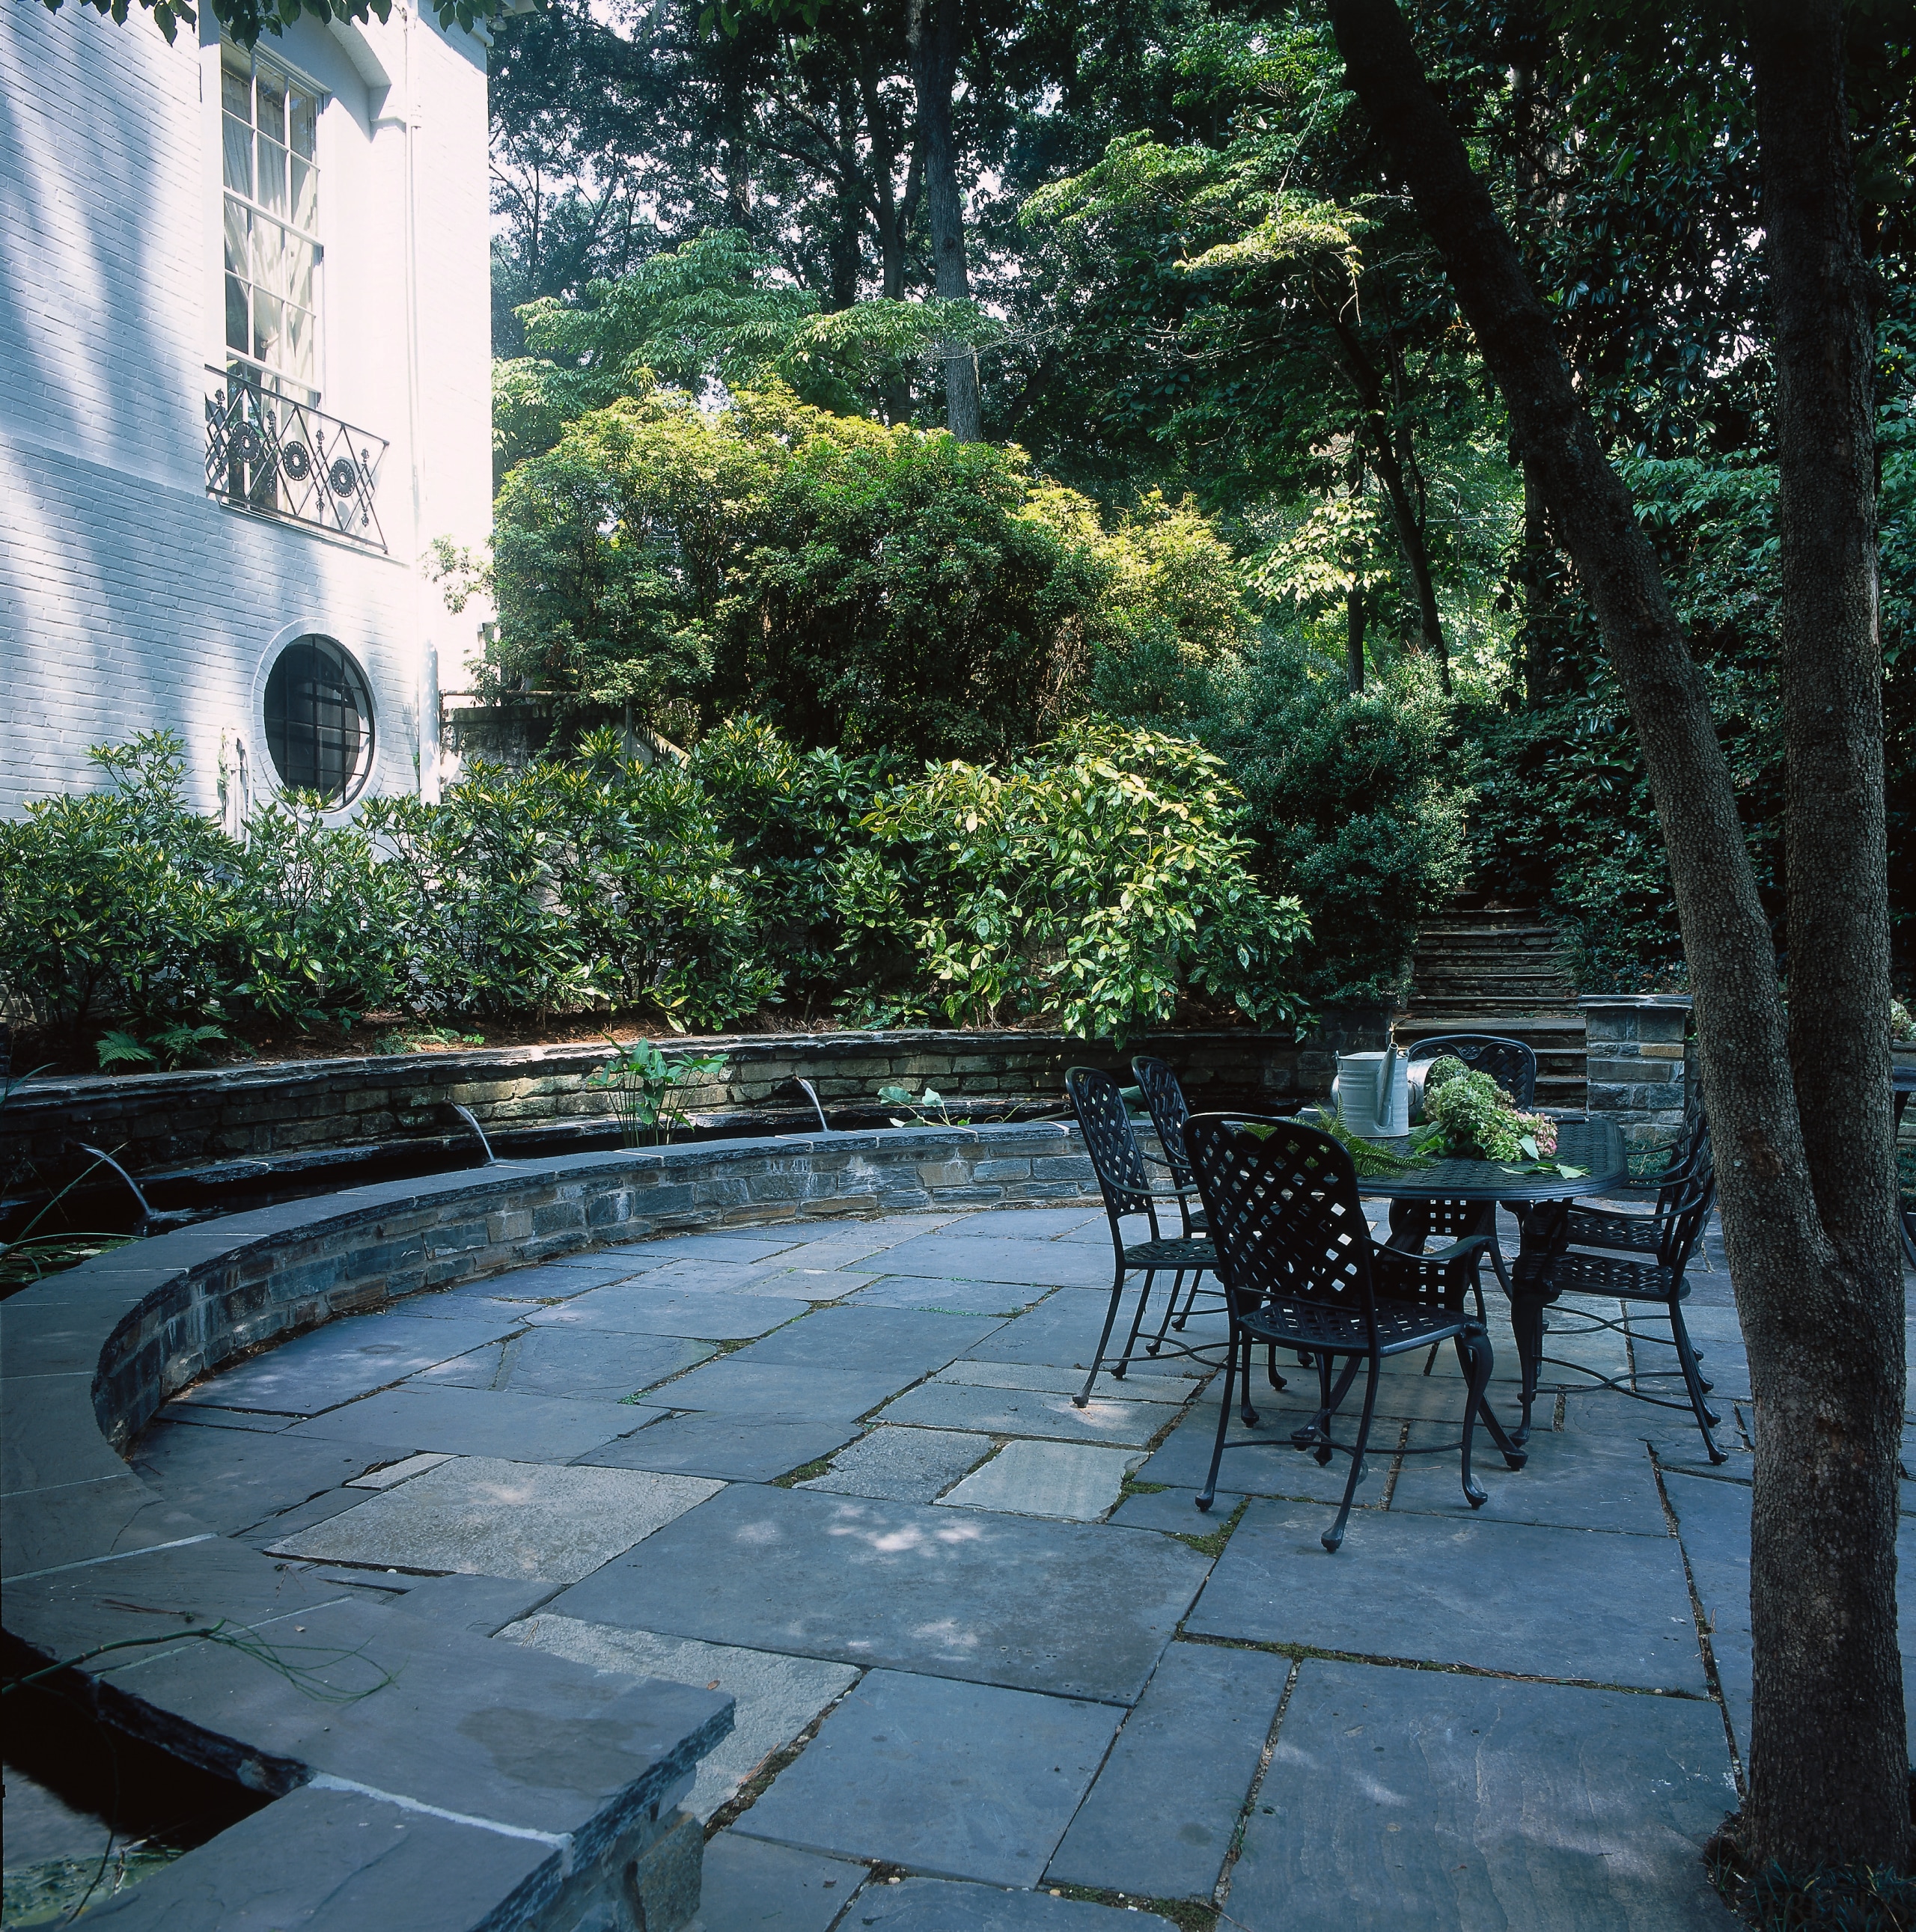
(318, 720)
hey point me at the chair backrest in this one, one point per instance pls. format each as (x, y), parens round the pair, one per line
(1285, 1213)
(1509, 1062)
(1165, 1099)
(1115, 1157)
(1683, 1209)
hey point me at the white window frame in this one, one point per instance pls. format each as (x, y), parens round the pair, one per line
(273, 376)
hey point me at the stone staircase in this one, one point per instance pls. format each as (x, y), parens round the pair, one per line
(1494, 969)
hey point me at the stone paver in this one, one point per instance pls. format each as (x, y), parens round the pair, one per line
(1265, 1464)
(1589, 1605)
(344, 1359)
(583, 1364)
(948, 1298)
(1028, 1412)
(908, 1342)
(902, 1466)
(232, 1479)
(954, 1780)
(955, 1593)
(1159, 1820)
(751, 1886)
(753, 1390)
(1062, 1330)
(389, 1475)
(477, 1422)
(603, 1531)
(1070, 1480)
(1428, 1799)
(740, 1449)
(1175, 1512)
(976, 1374)
(776, 1697)
(1574, 1478)
(635, 1308)
(968, 1256)
(485, 1517)
(937, 1905)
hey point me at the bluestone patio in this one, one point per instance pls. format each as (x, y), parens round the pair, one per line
(981, 1638)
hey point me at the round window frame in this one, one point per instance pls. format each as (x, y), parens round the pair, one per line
(318, 629)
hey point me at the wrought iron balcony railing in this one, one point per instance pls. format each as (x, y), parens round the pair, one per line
(270, 453)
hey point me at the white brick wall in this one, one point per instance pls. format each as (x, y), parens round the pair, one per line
(129, 599)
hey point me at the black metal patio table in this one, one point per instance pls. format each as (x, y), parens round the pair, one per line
(1596, 1146)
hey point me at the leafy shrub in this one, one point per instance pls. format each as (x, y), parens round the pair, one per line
(1095, 881)
(863, 587)
(1098, 883)
(1356, 804)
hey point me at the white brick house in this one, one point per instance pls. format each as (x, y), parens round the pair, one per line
(244, 383)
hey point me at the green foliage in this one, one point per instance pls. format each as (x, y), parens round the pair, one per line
(246, 20)
(867, 588)
(715, 311)
(647, 1090)
(1100, 883)
(1371, 1158)
(1096, 882)
(1467, 1114)
(1356, 803)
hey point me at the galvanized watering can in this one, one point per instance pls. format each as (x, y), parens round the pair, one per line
(1372, 1094)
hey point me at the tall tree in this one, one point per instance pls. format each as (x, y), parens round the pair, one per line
(933, 33)
(1800, 1109)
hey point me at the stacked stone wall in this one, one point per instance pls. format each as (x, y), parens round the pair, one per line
(166, 1123)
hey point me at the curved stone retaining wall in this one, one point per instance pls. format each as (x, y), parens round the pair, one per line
(479, 1785)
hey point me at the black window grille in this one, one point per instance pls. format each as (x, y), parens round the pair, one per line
(318, 720)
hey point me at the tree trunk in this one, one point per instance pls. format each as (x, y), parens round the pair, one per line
(1829, 1390)
(931, 32)
(1805, 1195)
(1353, 642)
(1385, 449)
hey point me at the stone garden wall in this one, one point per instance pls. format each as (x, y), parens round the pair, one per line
(535, 1792)
(297, 1111)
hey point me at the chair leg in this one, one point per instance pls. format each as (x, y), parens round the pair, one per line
(1477, 1365)
(1208, 1495)
(1271, 1374)
(1334, 1536)
(1137, 1322)
(1083, 1396)
(1312, 1434)
(1707, 1418)
(1526, 1323)
(1512, 1455)
(1191, 1302)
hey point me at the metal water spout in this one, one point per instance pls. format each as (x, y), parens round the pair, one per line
(812, 1094)
(147, 1217)
(465, 1113)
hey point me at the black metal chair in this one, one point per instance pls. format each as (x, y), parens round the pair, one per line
(1669, 1160)
(1123, 1181)
(1669, 1234)
(1301, 1271)
(1514, 1067)
(1164, 1099)
(1509, 1062)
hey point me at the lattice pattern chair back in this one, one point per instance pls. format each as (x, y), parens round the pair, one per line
(1509, 1062)
(1282, 1198)
(1165, 1099)
(1684, 1218)
(1116, 1157)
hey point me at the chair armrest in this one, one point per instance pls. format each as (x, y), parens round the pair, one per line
(1455, 1250)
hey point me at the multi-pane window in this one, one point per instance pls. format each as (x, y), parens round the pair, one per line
(269, 120)
(318, 720)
